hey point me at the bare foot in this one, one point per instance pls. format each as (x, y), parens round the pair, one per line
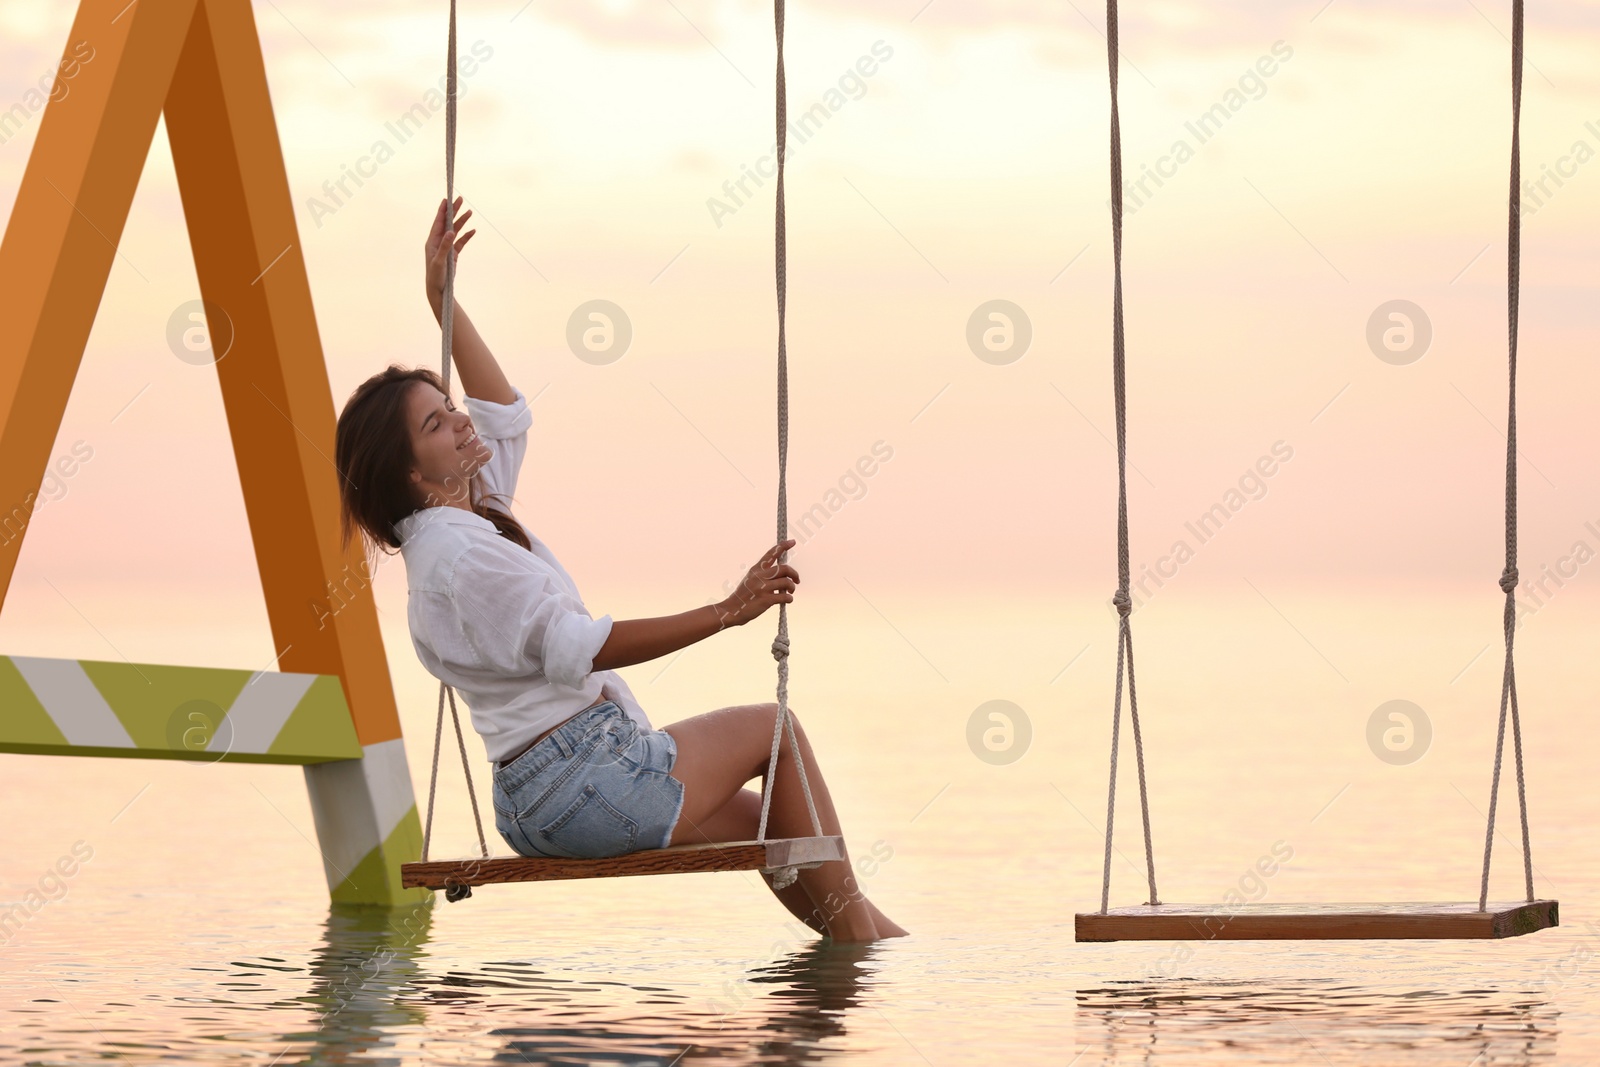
(886, 926)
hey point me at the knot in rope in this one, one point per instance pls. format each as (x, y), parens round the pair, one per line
(780, 647)
(1508, 580)
(1123, 602)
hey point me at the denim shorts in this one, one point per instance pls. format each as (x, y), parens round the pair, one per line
(598, 786)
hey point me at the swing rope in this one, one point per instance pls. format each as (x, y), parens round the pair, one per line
(1122, 598)
(446, 318)
(1508, 577)
(780, 644)
(782, 876)
(433, 779)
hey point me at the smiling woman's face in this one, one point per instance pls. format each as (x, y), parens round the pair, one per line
(447, 451)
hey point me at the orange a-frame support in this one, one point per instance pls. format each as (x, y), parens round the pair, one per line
(199, 62)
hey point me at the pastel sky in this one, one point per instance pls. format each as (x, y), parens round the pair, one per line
(598, 140)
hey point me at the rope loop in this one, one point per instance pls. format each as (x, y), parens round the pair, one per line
(1121, 599)
(1508, 576)
(782, 876)
(1508, 580)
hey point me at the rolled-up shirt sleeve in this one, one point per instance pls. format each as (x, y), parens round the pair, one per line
(516, 620)
(498, 422)
(505, 426)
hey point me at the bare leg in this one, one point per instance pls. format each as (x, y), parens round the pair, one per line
(721, 750)
(737, 821)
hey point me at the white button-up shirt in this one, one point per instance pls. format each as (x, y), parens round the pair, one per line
(503, 625)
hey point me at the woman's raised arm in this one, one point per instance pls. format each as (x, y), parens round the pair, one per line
(476, 366)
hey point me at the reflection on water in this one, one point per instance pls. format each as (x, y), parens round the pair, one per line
(369, 983)
(789, 1023)
(1309, 1021)
(361, 977)
(372, 993)
(373, 987)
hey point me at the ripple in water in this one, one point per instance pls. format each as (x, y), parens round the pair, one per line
(368, 994)
(1309, 1021)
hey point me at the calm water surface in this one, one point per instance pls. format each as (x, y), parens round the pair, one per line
(199, 931)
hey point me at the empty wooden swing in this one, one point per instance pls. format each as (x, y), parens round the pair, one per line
(780, 856)
(1155, 921)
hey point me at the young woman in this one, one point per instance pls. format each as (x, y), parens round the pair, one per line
(578, 769)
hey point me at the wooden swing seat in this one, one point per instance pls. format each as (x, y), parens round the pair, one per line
(1312, 922)
(804, 852)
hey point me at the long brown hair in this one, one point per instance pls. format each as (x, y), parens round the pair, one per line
(372, 452)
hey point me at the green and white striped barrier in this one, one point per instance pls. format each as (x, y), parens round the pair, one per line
(69, 707)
